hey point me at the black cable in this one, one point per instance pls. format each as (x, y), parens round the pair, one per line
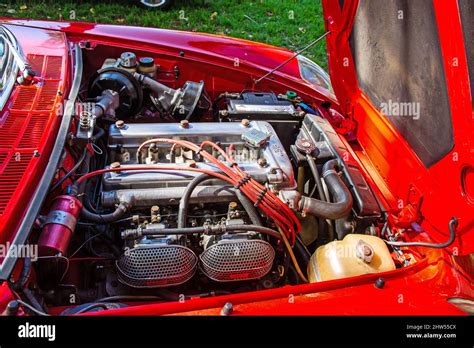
(84, 170)
(73, 169)
(32, 299)
(72, 152)
(20, 286)
(184, 201)
(302, 250)
(452, 226)
(317, 178)
(172, 296)
(92, 306)
(24, 275)
(87, 202)
(99, 183)
(249, 208)
(31, 308)
(164, 295)
(129, 298)
(100, 133)
(117, 214)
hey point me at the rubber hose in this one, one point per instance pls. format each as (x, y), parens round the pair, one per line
(342, 204)
(249, 208)
(302, 250)
(321, 193)
(68, 174)
(110, 217)
(452, 226)
(85, 169)
(184, 201)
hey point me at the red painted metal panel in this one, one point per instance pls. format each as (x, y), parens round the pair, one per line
(27, 127)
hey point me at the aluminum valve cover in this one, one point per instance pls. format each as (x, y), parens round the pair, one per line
(266, 161)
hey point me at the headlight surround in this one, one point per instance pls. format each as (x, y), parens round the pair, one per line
(314, 74)
(8, 68)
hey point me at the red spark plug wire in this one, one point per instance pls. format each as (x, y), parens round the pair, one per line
(266, 200)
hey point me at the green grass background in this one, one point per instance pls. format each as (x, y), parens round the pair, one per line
(286, 23)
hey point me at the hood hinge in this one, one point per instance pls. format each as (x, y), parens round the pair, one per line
(410, 213)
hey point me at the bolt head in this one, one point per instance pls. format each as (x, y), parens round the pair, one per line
(227, 309)
(120, 124)
(245, 122)
(184, 123)
(262, 162)
(300, 114)
(115, 165)
(223, 113)
(379, 283)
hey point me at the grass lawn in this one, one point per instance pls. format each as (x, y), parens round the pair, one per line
(286, 23)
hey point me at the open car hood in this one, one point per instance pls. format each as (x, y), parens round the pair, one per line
(400, 72)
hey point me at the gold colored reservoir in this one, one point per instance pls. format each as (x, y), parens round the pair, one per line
(355, 255)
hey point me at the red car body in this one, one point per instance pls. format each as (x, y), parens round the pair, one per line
(29, 123)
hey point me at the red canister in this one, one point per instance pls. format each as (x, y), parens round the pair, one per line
(59, 226)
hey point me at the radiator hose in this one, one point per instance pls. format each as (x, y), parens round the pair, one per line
(342, 197)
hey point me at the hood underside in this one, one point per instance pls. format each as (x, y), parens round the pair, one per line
(400, 72)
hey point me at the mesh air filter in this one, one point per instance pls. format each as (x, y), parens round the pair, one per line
(233, 260)
(152, 266)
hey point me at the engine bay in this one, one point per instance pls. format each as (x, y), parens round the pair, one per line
(168, 193)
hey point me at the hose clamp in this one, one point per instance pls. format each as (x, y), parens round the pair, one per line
(329, 172)
(60, 217)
